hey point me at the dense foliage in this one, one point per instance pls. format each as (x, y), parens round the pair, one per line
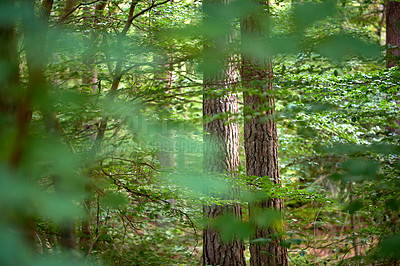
(101, 132)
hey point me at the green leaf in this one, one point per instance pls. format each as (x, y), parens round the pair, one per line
(354, 206)
(261, 241)
(305, 14)
(361, 168)
(231, 227)
(339, 47)
(114, 199)
(390, 247)
(268, 218)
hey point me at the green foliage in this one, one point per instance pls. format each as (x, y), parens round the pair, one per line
(127, 160)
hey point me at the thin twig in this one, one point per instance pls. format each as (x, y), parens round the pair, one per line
(92, 246)
(134, 162)
(315, 225)
(119, 184)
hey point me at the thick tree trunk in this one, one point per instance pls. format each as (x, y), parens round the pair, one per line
(393, 33)
(260, 138)
(221, 149)
(221, 155)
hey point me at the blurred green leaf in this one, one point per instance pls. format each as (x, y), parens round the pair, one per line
(354, 206)
(261, 241)
(338, 47)
(231, 228)
(362, 168)
(390, 247)
(305, 14)
(114, 199)
(268, 218)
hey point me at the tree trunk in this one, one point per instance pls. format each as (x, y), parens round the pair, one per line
(91, 76)
(68, 236)
(260, 137)
(393, 42)
(221, 149)
(393, 33)
(221, 155)
(165, 148)
(15, 115)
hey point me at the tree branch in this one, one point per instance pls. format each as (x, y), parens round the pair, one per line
(131, 18)
(63, 18)
(119, 184)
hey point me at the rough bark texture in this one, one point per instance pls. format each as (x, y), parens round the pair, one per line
(261, 147)
(260, 137)
(221, 155)
(221, 138)
(393, 33)
(221, 149)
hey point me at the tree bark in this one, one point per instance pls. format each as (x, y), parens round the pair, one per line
(221, 149)
(260, 137)
(393, 41)
(221, 155)
(393, 33)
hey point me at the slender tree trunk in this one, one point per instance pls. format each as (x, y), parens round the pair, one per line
(90, 58)
(11, 94)
(221, 152)
(35, 44)
(14, 111)
(393, 33)
(35, 36)
(163, 76)
(89, 78)
(260, 137)
(393, 42)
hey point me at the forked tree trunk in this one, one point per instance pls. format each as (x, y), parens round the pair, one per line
(221, 149)
(393, 33)
(260, 137)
